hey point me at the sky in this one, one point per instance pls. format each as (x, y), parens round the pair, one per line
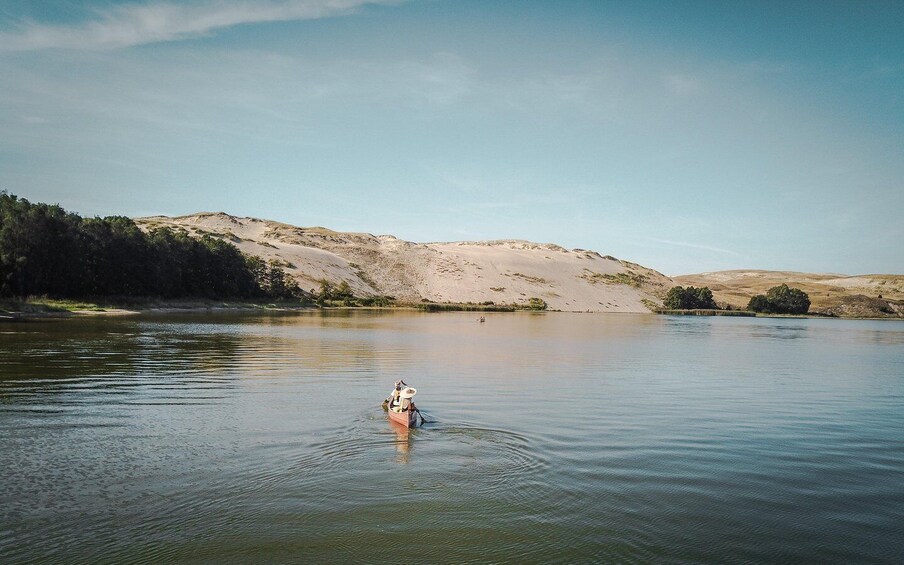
(684, 136)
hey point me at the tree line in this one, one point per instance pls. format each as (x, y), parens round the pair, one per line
(45, 250)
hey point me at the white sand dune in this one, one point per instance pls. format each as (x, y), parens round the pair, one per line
(505, 271)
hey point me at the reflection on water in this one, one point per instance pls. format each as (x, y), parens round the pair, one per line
(554, 438)
(402, 441)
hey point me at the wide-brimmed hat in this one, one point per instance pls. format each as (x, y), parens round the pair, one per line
(408, 392)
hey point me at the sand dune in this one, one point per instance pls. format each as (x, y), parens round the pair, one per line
(505, 271)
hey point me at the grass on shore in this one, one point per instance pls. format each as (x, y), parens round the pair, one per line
(38, 305)
(65, 305)
(459, 307)
(10, 306)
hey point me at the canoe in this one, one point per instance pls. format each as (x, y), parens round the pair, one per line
(408, 418)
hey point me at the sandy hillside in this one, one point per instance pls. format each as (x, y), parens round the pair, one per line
(861, 295)
(507, 271)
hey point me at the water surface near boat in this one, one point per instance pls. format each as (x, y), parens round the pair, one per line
(557, 438)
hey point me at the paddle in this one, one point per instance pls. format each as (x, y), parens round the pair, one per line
(423, 420)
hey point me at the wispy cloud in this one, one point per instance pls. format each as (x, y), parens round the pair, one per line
(138, 24)
(694, 246)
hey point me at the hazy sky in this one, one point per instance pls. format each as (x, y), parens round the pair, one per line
(685, 136)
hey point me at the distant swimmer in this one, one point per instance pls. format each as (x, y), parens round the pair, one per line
(482, 319)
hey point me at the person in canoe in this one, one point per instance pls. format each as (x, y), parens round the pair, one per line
(400, 406)
(393, 400)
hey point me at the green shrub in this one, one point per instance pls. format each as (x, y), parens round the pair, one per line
(781, 300)
(758, 303)
(690, 298)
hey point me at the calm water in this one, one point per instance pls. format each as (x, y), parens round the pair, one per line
(555, 438)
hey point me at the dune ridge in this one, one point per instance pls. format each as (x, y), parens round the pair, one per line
(501, 271)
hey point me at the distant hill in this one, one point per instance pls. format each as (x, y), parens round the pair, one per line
(830, 294)
(513, 271)
(505, 271)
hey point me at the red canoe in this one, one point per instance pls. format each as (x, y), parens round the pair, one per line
(408, 418)
(402, 410)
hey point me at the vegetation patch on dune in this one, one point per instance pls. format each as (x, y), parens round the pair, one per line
(529, 278)
(629, 278)
(221, 235)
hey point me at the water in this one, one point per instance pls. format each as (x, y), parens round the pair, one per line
(555, 438)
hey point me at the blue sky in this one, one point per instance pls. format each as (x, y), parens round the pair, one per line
(685, 136)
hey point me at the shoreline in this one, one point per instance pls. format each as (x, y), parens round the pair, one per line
(13, 311)
(194, 307)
